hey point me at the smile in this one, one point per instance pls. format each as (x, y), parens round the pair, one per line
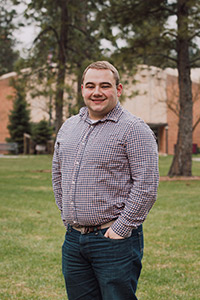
(97, 100)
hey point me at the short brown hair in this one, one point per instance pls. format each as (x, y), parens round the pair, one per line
(102, 65)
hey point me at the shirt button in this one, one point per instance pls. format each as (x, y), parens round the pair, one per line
(73, 182)
(77, 163)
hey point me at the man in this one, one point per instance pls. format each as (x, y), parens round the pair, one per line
(105, 178)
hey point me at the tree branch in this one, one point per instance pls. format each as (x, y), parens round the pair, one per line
(78, 52)
(174, 110)
(194, 60)
(194, 35)
(49, 28)
(165, 56)
(169, 33)
(195, 125)
(82, 31)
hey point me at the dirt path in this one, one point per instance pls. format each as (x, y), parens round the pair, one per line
(178, 178)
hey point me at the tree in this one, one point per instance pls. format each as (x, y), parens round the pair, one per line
(41, 132)
(19, 118)
(68, 33)
(144, 27)
(8, 55)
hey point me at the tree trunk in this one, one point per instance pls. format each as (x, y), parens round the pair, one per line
(80, 101)
(83, 26)
(61, 64)
(182, 161)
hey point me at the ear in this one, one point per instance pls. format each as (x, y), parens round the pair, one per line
(119, 89)
(82, 89)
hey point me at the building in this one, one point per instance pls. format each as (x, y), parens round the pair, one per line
(152, 96)
(6, 104)
(156, 102)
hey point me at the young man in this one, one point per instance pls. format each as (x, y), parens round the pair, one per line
(105, 179)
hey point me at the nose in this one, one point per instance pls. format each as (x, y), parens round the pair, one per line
(97, 91)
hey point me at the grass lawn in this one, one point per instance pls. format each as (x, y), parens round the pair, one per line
(32, 234)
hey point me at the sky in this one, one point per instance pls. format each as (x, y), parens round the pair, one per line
(25, 35)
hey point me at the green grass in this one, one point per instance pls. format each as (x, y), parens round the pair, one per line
(32, 234)
(171, 258)
(165, 162)
(31, 231)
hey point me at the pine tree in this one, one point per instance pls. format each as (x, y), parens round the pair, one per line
(19, 118)
(41, 132)
(7, 53)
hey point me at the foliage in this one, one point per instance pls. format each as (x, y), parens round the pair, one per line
(8, 55)
(147, 33)
(19, 118)
(41, 132)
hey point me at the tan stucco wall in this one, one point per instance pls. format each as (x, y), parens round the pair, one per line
(150, 103)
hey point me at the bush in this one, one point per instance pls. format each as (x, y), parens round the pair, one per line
(41, 132)
(19, 118)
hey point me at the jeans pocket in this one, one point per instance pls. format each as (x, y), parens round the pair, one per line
(103, 231)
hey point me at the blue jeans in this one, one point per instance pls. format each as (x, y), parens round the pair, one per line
(99, 268)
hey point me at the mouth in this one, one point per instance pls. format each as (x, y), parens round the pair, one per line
(97, 100)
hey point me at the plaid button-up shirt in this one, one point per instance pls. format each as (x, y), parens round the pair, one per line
(105, 170)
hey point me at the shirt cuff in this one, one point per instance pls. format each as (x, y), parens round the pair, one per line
(121, 229)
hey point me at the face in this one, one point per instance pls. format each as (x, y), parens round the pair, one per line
(100, 92)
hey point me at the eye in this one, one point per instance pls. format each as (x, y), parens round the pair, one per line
(105, 86)
(89, 87)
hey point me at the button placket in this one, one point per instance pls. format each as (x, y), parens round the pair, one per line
(77, 164)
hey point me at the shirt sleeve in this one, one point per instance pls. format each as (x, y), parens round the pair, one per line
(56, 174)
(142, 155)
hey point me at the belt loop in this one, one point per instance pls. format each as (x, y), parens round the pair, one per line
(96, 228)
(83, 230)
(69, 228)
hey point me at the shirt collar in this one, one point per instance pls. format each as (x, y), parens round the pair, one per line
(113, 115)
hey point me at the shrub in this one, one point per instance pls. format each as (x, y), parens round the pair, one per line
(41, 132)
(19, 118)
